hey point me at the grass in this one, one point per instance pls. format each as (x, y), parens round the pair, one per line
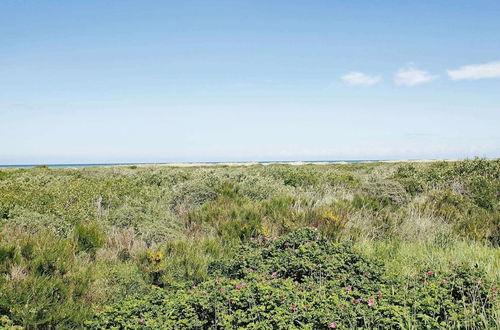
(73, 240)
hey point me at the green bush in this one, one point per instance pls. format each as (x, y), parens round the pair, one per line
(89, 237)
(303, 281)
(42, 282)
(72, 240)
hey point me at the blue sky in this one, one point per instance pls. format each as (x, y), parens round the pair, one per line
(154, 81)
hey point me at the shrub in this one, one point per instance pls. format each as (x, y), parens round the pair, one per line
(89, 237)
(303, 281)
(42, 282)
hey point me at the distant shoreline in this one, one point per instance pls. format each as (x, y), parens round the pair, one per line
(240, 163)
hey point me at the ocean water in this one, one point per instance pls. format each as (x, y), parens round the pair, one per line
(200, 163)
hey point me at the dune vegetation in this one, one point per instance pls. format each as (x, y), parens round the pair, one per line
(405, 245)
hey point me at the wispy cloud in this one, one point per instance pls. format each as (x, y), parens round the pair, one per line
(411, 76)
(476, 71)
(15, 106)
(359, 78)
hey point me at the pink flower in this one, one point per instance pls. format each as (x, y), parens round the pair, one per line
(250, 270)
(428, 273)
(294, 308)
(494, 290)
(251, 238)
(274, 274)
(348, 288)
(333, 325)
(244, 284)
(218, 280)
(314, 228)
(445, 281)
(194, 287)
(222, 290)
(274, 237)
(379, 294)
(141, 320)
(238, 287)
(371, 302)
(356, 301)
(282, 298)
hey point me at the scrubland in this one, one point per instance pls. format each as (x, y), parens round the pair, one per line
(361, 245)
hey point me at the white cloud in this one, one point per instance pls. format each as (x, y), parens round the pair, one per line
(411, 76)
(359, 78)
(476, 71)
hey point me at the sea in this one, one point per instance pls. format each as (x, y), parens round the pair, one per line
(189, 163)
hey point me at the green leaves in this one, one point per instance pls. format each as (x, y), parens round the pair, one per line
(304, 281)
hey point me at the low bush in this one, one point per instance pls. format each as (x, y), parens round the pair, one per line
(304, 281)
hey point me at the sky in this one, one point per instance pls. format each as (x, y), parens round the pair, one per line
(179, 81)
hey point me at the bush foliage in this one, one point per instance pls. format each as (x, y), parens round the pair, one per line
(304, 281)
(417, 243)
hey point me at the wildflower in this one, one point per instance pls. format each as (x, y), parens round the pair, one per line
(333, 325)
(428, 273)
(445, 281)
(141, 320)
(494, 290)
(294, 308)
(244, 284)
(342, 279)
(274, 274)
(250, 270)
(348, 288)
(314, 228)
(194, 287)
(282, 298)
(222, 290)
(238, 287)
(371, 302)
(379, 294)
(286, 244)
(251, 238)
(356, 301)
(218, 280)
(98, 309)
